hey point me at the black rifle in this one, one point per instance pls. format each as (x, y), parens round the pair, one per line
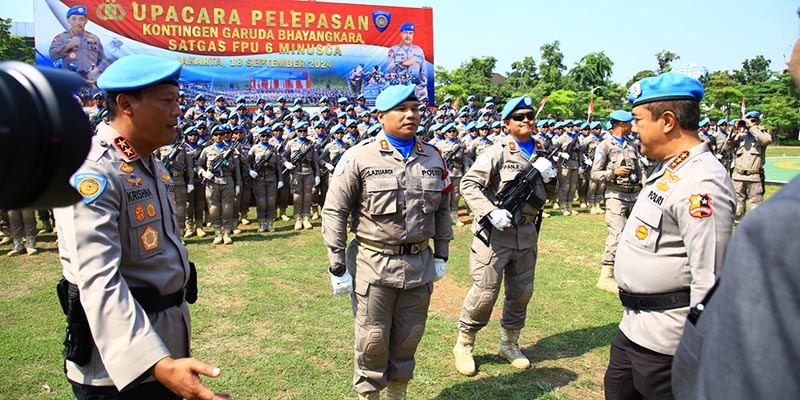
(513, 197)
(300, 156)
(220, 161)
(170, 160)
(262, 166)
(449, 156)
(335, 160)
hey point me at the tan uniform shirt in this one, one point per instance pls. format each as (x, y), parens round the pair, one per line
(309, 164)
(456, 161)
(123, 234)
(393, 201)
(674, 239)
(269, 157)
(749, 154)
(181, 168)
(497, 167)
(608, 156)
(231, 173)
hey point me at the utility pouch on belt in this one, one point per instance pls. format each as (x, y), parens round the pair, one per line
(191, 286)
(77, 338)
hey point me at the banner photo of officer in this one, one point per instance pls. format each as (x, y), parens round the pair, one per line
(267, 49)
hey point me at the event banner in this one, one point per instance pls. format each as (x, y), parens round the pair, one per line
(264, 48)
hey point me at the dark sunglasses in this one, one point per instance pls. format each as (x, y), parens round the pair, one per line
(521, 116)
(302, 130)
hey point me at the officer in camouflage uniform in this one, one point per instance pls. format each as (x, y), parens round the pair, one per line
(723, 140)
(749, 151)
(221, 188)
(22, 224)
(265, 160)
(397, 191)
(569, 159)
(594, 192)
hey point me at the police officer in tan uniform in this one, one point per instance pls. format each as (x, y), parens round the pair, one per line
(453, 154)
(397, 190)
(196, 204)
(594, 192)
(221, 187)
(280, 143)
(302, 159)
(569, 161)
(749, 151)
(617, 165)
(178, 161)
(512, 248)
(674, 242)
(121, 250)
(265, 160)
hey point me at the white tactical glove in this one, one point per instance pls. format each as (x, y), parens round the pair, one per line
(280, 184)
(329, 166)
(253, 174)
(545, 168)
(73, 42)
(441, 268)
(564, 155)
(316, 181)
(189, 188)
(500, 218)
(588, 161)
(288, 165)
(208, 175)
(238, 190)
(342, 284)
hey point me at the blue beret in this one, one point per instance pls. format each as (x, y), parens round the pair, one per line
(269, 106)
(259, 117)
(463, 108)
(442, 107)
(297, 108)
(568, 122)
(703, 122)
(408, 26)
(481, 125)
(448, 127)
(264, 129)
(192, 130)
(448, 98)
(219, 98)
(496, 124)
(324, 109)
(181, 93)
(488, 99)
(364, 114)
(277, 126)
(76, 10)
(138, 71)
(234, 116)
(753, 114)
(667, 86)
(541, 123)
(101, 95)
(351, 122)
(219, 129)
(373, 130)
(323, 98)
(722, 121)
(241, 107)
(301, 125)
(350, 107)
(261, 100)
(462, 114)
(361, 97)
(594, 125)
(470, 97)
(298, 100)
(318, 124)
(621, 116)
(516, 103)
(315, 116)
(435, 127)
(338, 128)
(237, 128)
(341, 114)
(551, 122)
(584, 125)
(576, 122)
(471, 125)
(209, 109)
(420, 130)
(489, 104)
(608, 124)
(392, 96)
(422, 107)
(559, 124)
(287, 117)
(342, 100)
(240, 99)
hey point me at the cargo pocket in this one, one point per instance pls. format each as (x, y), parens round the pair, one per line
(145, 226)
(382, 194)
(645, 228)
(431, 193)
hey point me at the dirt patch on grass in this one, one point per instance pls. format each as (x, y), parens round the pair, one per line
(447, 298)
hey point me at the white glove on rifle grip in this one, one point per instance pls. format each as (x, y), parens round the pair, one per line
(441, 268)
(500, 218)
(545, 168)
(280, 184)
(329, 166)
(341, 284)
(288, 165)
(316, 181)
(208, 175)
(253, 174)
(237, 190)
(189, 188)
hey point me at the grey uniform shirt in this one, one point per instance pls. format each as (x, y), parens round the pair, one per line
(87, 55)
(393, 201)
(608, 156)
(674, 239)
(123, 234)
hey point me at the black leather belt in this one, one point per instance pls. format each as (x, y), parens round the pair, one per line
(746, 172)
(655, 302)
(393, 250)
(151, 302)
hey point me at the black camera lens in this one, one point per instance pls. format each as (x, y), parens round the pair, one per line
(44, 134)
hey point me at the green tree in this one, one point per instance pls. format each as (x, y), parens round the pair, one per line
(592, 70)
(472, 77)
(665, 59)
(639, 76)
(722, 95)
(552, 66)
(755, 71)
(560, 104)
(523, 75)
(13, 47)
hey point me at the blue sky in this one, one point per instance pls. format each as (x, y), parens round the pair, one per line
(719, 34)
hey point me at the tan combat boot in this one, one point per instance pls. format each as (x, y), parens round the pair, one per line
(17, 249)
(396, 390)
(283, 216)
(298, 224)
(270, 228)
(226, 237)
(454, 219)
(307, 223)
(200, 232)
(369, 396)
(556, 206)
(30, 246)
(218, 236)
(189, 231)
(5, 240)
(606, 281)
(465, 343)
(509, 349)
(314, 213)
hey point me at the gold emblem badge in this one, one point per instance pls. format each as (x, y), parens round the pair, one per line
(670, 177)
(512, 146)
(110, 11)
(165, 176)
(149, 239)
(135, 180)
(151, 210)
(419, 148)
(127, 168)
(641, 232)
(662, 186)
(384, 145)
(88, 187)
(139, 211)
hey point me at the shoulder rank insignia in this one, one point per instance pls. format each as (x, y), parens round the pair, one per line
(165, 176)
(89, 185)
(126, 168)
(512, 146)
(384, 144)
(679, 159)
(149, 239)
(419, 148)
(700, 205)
(122, 145)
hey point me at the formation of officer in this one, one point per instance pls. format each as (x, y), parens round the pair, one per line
(396, 189)
(125, 270)
(511, 249)
(672, 247)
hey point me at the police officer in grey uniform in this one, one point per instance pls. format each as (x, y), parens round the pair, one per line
(616, 164)
(673, 244)
(221, 184)
(196, 198)
(723, 138)
(22, 223)
(749, 151)
(77, 46)
(397, 190)
(121, 250)
(570, 158)
(512, 250)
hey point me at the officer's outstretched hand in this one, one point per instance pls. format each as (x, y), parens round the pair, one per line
(182, 377)
(500, 218)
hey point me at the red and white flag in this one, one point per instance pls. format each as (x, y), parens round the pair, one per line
(590, 111)
(744, 108)
(541, 106)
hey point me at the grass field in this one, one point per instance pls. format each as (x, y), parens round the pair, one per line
(783, 151)
(267, 318)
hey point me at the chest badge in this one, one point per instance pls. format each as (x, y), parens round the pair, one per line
(642, 232)
(700, 206)
(151, 210)
(126, 168)
(149, 239)
(139, 212)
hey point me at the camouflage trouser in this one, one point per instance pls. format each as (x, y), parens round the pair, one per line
(196, 204)
(488, 267)
(180, 205)
(266, 194)
(567, 185)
